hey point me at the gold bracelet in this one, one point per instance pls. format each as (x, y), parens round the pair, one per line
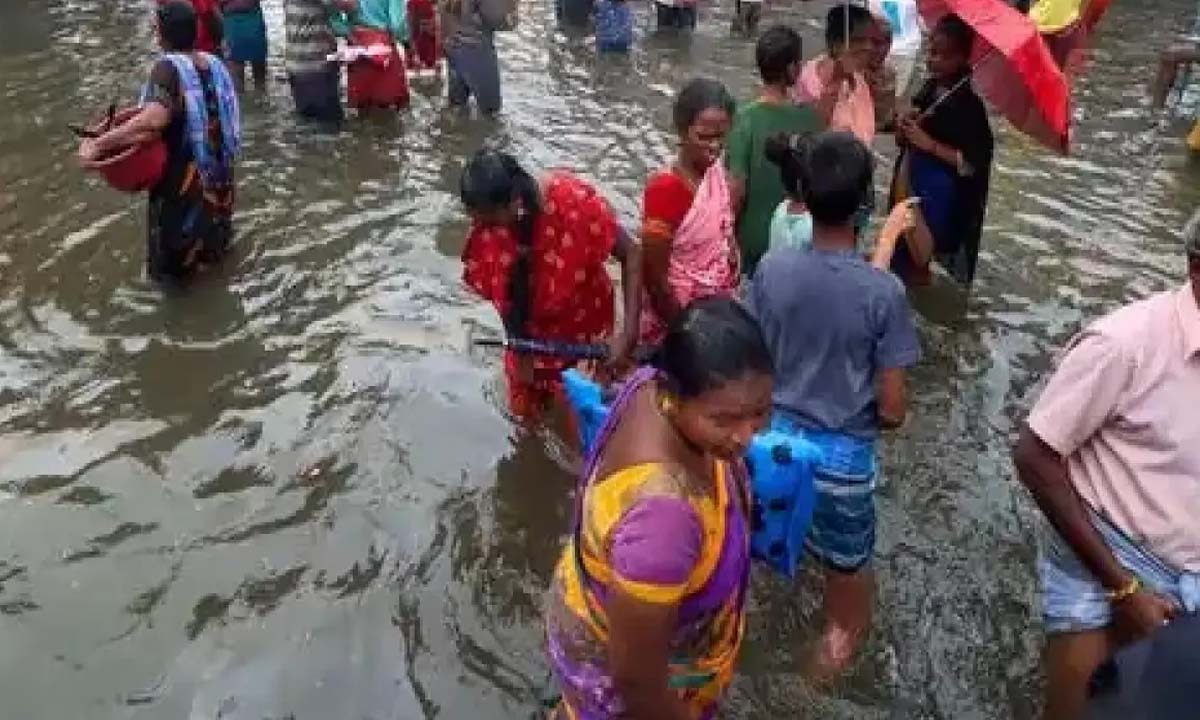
(1124, 593)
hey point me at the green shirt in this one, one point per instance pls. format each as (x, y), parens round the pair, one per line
(747, 161)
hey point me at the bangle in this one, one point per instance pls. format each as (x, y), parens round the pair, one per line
(1126, 591)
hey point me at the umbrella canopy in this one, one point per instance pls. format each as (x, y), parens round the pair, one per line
(1014, 70)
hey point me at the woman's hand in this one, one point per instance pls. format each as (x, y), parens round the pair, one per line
(619, 360)
(915, 135)
(89, 152)
(1144, 612)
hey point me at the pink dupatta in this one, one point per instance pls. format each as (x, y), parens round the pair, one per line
(705, 260)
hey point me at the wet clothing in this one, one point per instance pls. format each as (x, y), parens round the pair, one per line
(842, 534)
(833, 323)
(574, 13)
(191, 208)
(614, 26)
(854, 111)
(469, 27)
(474, 71)
(1073, 600)
(245, 32)
(678, 15)
(310, 37)
(746, 158)
(315, 81)
(378, 82)
(1121, 408)
(790, 229)
(318, 94)
(571, 293)
(649, 531)
(209, 28)
(953, 199)
(426, 40)
(388, 15)
(704, 259)
(746, 16)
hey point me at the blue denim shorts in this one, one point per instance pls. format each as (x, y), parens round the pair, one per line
(1073, 600)
(842, 534)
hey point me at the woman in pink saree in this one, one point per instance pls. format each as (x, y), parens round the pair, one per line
(688, 222)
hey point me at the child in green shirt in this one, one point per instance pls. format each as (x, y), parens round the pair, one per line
(756, 186)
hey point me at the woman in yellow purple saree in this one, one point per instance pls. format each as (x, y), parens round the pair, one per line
(645, 613)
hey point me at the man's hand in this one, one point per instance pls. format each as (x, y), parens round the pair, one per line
(1144, 612)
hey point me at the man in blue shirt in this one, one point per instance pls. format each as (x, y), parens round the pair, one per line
(841, 336)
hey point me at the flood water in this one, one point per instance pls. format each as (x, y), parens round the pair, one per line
(292, 493)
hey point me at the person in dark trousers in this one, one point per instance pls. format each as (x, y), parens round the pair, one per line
(191, 103)
(469, 28)
(245, 40)
(315, 82)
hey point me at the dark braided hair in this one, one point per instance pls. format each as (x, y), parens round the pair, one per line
(787, 151)
(492, 181)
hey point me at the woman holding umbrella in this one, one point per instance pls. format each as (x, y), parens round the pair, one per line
(946, 162)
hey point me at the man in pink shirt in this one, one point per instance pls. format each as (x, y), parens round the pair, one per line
(1111, 454)
(834, 82)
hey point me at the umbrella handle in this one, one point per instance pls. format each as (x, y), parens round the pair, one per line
(529, 346)
(571, 351)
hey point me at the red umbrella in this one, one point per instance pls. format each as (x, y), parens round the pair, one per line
(1014, 70)
(1068, 43)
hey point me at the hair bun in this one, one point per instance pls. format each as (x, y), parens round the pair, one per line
(779, 147)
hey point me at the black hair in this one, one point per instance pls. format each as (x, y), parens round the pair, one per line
(787, 151)
(836, 24)
(778, 49)
(1191, 236)
(957, 31)
(712, 342)
(698, 95)
(836, 177)
(177, 25)
(494, 180)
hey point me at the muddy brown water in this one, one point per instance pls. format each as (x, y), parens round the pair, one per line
(291, 492)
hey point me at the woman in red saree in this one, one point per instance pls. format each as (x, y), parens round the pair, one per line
(210, 33)
(380, 79)
(688, 220)
(537, 251)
